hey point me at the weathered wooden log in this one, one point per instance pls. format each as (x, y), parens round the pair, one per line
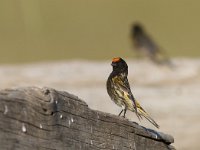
(35, 118)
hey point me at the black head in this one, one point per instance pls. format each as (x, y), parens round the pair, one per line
(119, 65)
(137, 29)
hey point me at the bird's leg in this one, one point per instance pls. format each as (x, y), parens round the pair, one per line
(120, 112)
(124, 113)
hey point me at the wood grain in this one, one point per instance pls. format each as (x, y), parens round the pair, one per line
(46, 119)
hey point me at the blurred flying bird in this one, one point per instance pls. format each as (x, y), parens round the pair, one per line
(118, 89)
(143, 43)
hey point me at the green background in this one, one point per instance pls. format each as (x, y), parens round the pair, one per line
(40, 30)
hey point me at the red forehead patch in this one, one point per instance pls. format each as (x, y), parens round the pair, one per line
(117, 59)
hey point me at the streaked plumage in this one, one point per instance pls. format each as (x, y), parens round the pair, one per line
(118, 89)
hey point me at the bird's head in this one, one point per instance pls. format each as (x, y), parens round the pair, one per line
(119, 65)
(137, 28)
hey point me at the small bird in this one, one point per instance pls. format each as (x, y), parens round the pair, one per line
(118, 89)
(143, 43)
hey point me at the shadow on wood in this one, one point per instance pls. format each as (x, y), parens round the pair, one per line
(34, 118)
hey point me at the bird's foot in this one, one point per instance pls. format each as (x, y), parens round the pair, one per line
(135, 123)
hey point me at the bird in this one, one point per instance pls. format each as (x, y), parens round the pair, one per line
(119, 90)
(144, 43)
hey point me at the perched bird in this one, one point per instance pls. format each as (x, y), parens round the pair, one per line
(144, 43)
(118, 89)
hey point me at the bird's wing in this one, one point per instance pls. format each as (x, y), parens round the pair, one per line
(123, 88)
(156, 52)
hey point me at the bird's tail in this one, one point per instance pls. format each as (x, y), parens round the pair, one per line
(164, 59)
(141, 112)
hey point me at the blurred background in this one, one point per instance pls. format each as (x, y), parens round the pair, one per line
(69, 44)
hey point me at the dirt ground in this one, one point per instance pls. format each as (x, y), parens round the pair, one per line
(170, 95)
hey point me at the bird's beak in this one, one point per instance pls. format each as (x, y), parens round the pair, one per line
(113, 64)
